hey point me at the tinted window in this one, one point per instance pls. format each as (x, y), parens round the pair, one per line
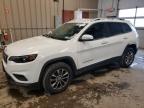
(118, 28)
(126, 28)
(98, 30)
(115, 28)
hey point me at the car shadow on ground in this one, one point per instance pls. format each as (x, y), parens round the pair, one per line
(96, 72)
(24, 93)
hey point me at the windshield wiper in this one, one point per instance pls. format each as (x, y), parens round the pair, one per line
(53, 37)
(48, 36)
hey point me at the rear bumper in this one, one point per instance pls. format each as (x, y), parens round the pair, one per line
(33, 86)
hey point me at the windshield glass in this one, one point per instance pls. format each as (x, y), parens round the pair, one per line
(67, 31)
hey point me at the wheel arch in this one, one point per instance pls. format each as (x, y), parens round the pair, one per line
(68, 60)
(132, 46)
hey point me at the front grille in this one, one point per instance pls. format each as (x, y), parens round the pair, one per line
(5, 57)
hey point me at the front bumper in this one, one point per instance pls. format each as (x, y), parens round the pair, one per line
(26, 85)
(23, 72)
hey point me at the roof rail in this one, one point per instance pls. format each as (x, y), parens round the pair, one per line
(117, 18)
(121, 18)
(97, 19)
(108, 18)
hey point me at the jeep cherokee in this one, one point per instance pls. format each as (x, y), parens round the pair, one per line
(51, 60)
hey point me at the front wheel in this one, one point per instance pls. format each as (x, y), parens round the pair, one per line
(127, 58)
(57, 78)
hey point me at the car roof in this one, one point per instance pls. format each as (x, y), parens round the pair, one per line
(98, 19)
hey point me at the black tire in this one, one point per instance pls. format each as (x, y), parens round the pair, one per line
(127, 58)
(57, 78)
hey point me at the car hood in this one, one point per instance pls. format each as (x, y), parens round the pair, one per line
(33, 45)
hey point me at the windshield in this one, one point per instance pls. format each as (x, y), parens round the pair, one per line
(67, 31)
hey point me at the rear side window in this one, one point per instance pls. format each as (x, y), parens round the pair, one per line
(126, 28)
(107, 29)
(115, 28)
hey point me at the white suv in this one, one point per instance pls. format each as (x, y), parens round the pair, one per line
(50, 61)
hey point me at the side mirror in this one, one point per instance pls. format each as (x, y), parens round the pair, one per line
(86, 37)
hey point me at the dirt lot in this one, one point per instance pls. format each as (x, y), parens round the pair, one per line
(110, 87)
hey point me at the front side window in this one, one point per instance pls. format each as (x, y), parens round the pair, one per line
(97, 30)
(67, 31)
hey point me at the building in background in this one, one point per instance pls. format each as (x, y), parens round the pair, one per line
(27, 18)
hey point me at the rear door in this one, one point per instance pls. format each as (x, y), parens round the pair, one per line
(116, 40)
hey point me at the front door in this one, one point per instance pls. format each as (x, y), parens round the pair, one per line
(91, 52)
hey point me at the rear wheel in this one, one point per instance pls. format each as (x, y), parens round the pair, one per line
(127, 58)
(57, 78)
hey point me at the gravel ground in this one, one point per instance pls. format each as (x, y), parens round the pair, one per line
(109, 87)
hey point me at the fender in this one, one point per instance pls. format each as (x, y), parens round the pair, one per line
(132, 46)
(68, 60)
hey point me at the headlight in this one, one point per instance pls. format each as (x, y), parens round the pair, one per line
(23, 59)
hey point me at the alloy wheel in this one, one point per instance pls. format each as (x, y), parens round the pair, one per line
(129, 57)
(59, 79)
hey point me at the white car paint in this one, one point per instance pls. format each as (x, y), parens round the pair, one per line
(83, 53)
